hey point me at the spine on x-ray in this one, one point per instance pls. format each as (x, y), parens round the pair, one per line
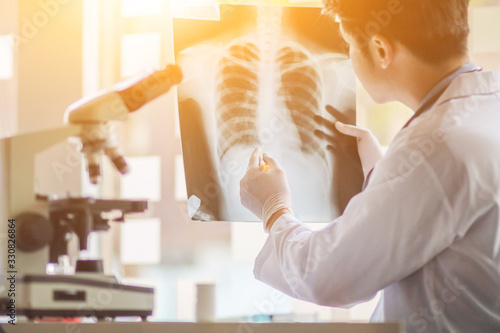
(237, 85)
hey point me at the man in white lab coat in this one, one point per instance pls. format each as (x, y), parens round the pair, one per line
(426, 228)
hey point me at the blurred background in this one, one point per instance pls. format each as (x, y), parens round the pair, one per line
(53, 52)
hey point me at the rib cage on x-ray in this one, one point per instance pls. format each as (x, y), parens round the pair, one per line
(237, 95)
(237, 86)
(257, 81)
(301, 91)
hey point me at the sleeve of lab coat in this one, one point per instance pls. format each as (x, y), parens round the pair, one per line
(393, 228)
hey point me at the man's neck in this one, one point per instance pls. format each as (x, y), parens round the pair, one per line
(422, 79)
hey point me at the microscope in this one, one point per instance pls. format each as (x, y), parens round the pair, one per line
(45, 224)
(87, 292)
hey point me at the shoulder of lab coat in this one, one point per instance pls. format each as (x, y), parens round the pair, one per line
(423, 196)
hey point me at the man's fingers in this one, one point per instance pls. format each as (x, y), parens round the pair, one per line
(255, 159)
(324, 122)
(342, 117)
(350, 130)
(323, 136)
(332, 148)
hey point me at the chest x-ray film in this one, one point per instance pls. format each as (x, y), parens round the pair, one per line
(256, 78)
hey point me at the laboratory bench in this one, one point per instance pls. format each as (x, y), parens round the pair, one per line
(178, 327)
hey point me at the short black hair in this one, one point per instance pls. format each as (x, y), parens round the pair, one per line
(434, 30)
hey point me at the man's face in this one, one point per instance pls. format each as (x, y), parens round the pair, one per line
(364, 66)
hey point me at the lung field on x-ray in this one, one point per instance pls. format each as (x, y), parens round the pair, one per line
(237, 88)
(301, 91)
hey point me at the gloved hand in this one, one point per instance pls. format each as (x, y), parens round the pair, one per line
(369, 149)
(347, 139)
(265, 193)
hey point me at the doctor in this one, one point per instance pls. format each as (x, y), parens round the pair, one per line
(426, 228)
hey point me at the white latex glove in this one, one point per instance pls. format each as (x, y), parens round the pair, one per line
(262, 192)
(369, 149)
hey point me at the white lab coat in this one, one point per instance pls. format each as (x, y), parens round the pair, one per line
(426, 230)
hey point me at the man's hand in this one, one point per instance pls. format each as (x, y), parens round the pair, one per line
(265, 193)
(369, 149)
(354, 144)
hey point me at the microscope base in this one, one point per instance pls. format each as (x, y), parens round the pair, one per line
(82, 295)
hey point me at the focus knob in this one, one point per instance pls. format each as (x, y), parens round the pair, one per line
(34, 231)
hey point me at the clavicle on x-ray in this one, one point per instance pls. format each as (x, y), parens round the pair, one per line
(256, 78)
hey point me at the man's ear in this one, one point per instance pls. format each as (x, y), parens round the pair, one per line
(381, 50)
